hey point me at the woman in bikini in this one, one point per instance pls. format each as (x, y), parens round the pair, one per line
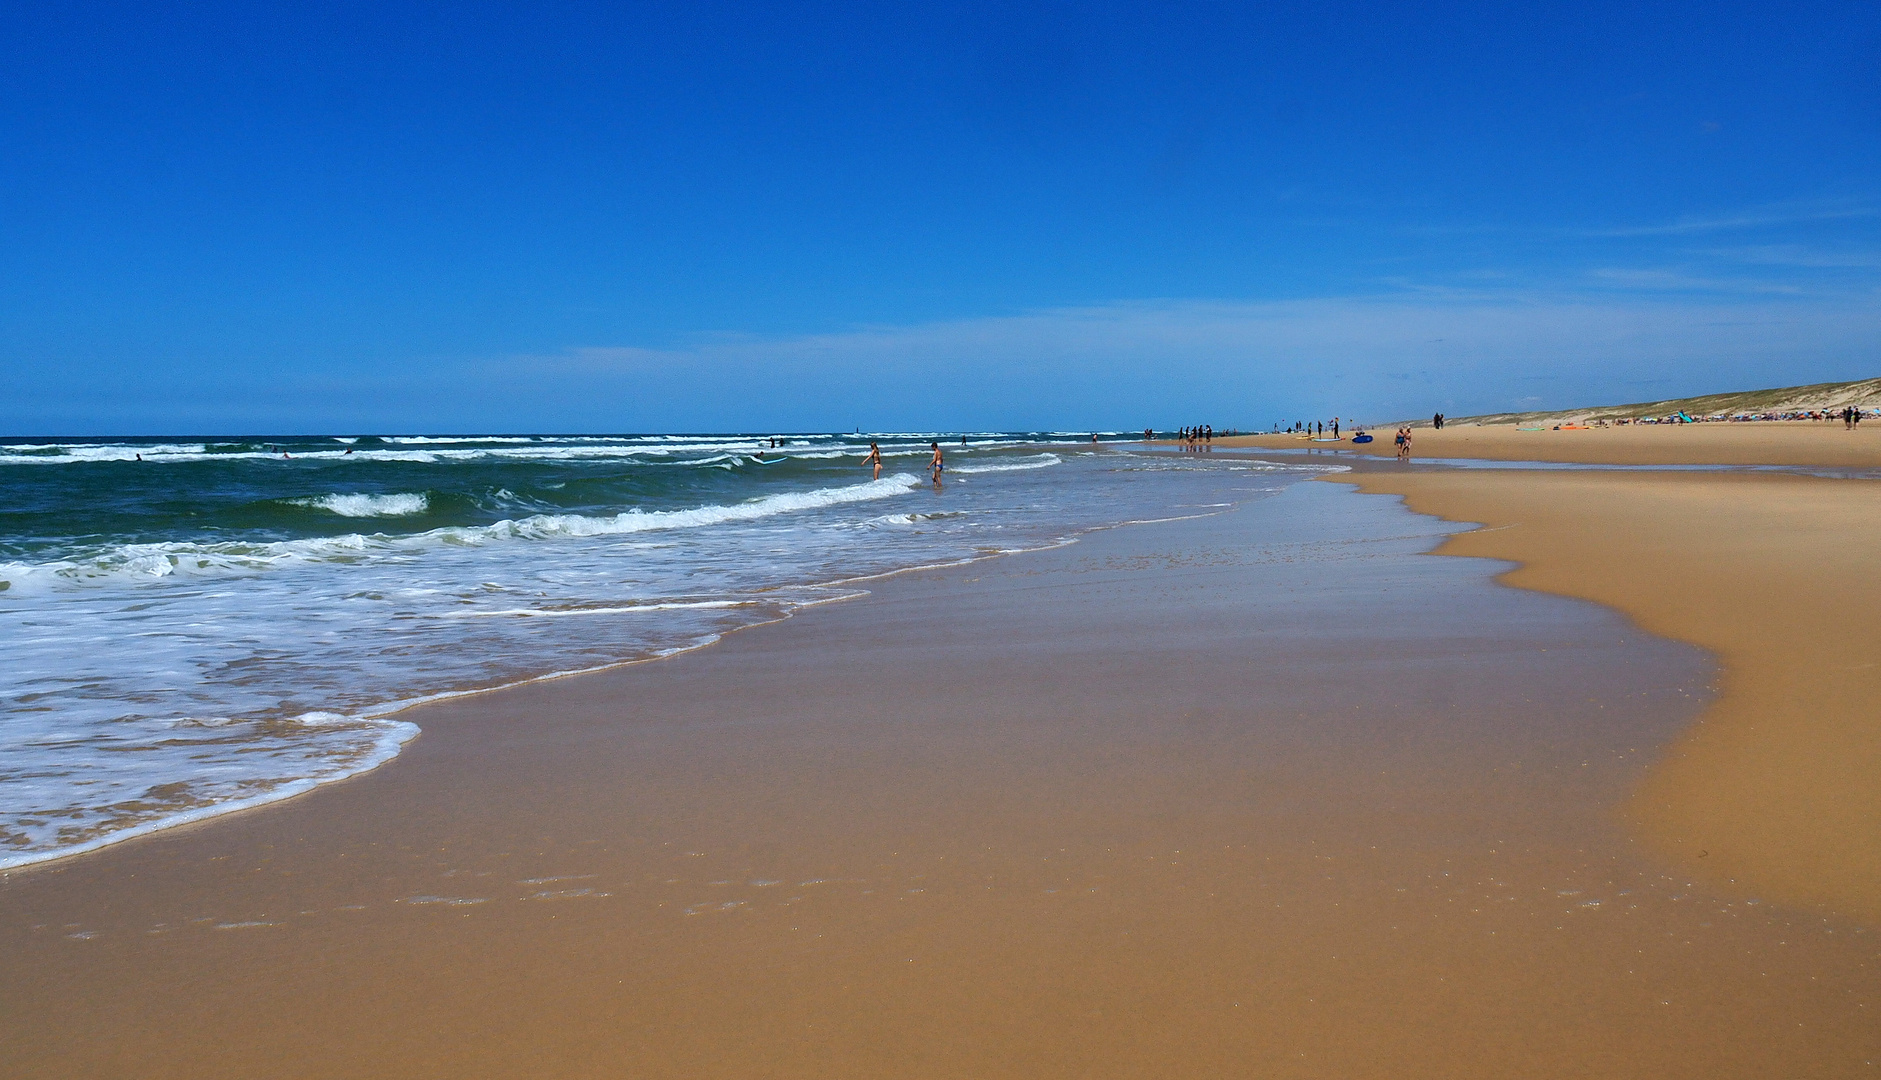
(875, 458)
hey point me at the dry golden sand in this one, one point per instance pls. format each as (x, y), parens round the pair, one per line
(1180, 800)
(1780, 577)
(1803, 442)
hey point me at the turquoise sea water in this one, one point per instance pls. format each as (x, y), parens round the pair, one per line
(197, 625)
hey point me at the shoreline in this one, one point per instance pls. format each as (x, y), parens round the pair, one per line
(394, 712)
(1771, 789)
(389, 743)
(1802, 829)
(1256, 790)
(1800, 443)
(1253, 791)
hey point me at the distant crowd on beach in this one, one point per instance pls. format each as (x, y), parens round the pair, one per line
(1316, 429)
(1850, 416)
(1200, 437)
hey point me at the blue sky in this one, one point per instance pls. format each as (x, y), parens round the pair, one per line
(382, 217)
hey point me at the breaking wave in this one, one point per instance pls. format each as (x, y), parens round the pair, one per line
(365, 506)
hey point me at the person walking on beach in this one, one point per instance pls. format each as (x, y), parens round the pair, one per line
(1404, 444)
(875, 458)
(937, 465)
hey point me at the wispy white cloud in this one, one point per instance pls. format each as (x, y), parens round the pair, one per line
(1376, 357)
(1768, 217)
(1798, 255)
(1132, 363)
(1681, 281)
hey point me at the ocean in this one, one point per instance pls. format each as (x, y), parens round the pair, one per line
(195, 626)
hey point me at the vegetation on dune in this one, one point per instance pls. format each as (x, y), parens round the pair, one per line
(1865, 393)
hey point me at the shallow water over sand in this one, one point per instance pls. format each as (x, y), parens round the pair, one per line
(1265, 792)
(224, 624)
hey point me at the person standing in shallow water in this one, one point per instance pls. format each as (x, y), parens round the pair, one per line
(874, 458)
(937, 464)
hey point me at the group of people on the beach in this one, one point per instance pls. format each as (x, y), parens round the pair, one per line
(1404, 444)
(1201, 437)
(1316, 429)
(935, 466)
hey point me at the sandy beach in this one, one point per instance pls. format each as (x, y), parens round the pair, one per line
(1262, 792)
(1773, 789)
(1799, 443)
(650, 542)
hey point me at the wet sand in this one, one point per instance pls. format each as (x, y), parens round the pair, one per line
(1802, 443)
(1267, 793)
(1775, 788)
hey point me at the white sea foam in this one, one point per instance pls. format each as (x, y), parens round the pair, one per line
(81, 453)
(420, 452)
(146, 684)
(1042, 461)
(449, 439)
(368, 505)
(625, 609)
(425, 449)
(634, 521)
(164, 559)
(100, 796)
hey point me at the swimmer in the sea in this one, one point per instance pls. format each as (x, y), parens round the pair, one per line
(937, 464)
(874, 458)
